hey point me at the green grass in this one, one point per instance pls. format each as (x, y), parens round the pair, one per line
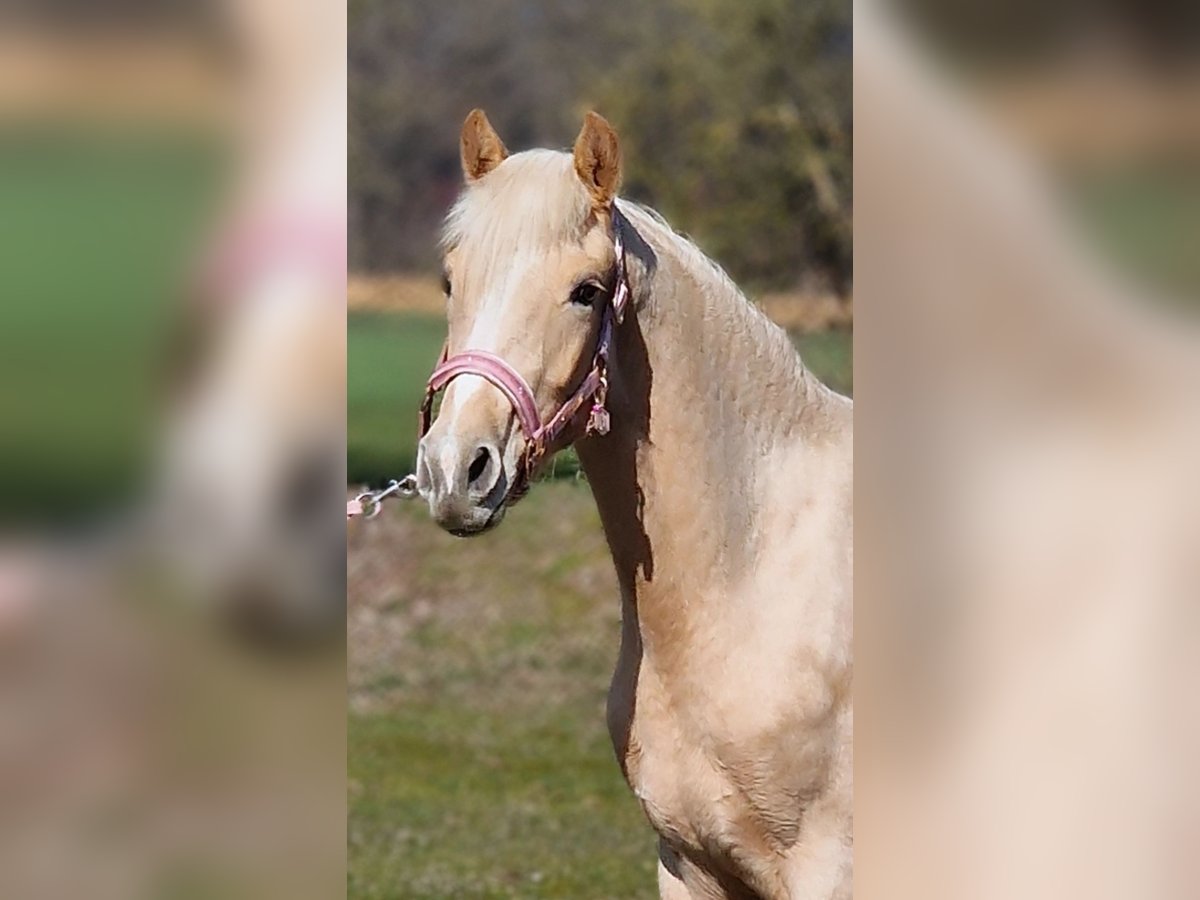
(388, 359)
(98, 229)
(830, 356)
(1147, 219)
(479, 760)
(391, 355)
(453, 803)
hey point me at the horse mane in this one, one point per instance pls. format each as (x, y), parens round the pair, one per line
(724, 301)
(688, 251)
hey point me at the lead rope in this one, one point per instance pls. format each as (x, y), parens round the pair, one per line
(369, 503)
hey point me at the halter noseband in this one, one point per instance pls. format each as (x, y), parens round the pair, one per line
(539, 435)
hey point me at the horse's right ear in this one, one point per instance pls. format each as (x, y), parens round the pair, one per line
(482, 149)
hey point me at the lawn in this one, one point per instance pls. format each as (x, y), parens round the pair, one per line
(388, 359)
(479, 761)
(98, 229)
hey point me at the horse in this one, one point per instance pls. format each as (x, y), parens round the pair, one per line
(722, 471)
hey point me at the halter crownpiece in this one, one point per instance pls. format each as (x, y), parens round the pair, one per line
(539, 435)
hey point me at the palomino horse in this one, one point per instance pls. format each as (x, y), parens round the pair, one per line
(722, 469)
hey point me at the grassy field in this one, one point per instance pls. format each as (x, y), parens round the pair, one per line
(97, 231)
(480, 765)
(388, 359)
(391, 354)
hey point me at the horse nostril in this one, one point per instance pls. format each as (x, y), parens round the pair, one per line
(478, 465)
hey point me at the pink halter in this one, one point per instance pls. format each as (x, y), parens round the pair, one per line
(539, 435)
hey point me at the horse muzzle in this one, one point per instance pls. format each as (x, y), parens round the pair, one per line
(465, 482)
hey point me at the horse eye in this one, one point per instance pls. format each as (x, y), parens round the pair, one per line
(445, 284)
(586, 293)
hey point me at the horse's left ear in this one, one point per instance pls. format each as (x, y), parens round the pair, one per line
(598, 159)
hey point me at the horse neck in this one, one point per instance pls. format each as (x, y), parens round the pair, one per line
(704, 390)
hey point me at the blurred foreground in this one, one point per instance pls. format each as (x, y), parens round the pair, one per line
(1027, 437)
(172, 249)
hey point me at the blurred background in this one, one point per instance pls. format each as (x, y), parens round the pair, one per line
(480, 763)
(1105, 99)
(172, 256)
(1027, 503)
(734, 121)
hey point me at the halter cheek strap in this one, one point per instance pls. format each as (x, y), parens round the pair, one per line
(540, 436)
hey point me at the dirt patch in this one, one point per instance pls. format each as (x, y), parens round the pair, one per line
(395, 293)
(529, 611)
(803, 311)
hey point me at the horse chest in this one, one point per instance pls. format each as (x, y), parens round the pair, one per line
(678, 791)
(686, 795)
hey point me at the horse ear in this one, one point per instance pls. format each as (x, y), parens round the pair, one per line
(482, 149)
(598, 159)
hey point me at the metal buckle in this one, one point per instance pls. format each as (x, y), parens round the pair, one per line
(371, 502)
